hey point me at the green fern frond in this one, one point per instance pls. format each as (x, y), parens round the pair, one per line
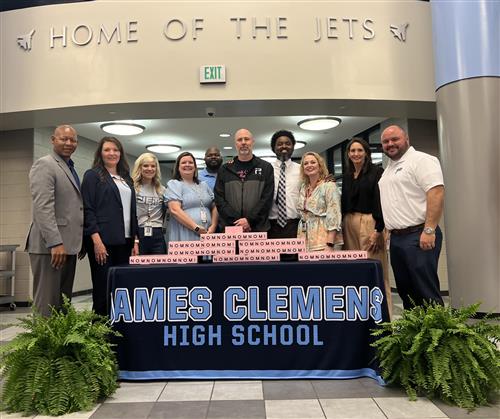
(436, 350)
(60, 364)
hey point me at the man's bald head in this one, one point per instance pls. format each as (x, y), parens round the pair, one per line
(243, 140)
(64, 128)
(213, 159)
(64, 141)
(395, 142)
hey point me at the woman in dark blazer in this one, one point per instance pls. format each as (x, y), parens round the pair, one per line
(110, 222)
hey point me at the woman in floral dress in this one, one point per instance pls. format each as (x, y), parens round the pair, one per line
(319, 205)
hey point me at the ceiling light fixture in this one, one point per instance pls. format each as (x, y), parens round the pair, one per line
(163, 148)
(122, 128)
(319, 123)
(228, 148)
(224, 135)
(300, 144)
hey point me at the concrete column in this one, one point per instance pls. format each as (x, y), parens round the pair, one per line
(466, 39)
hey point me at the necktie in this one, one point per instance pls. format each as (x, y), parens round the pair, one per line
(281, 196)
(73, 172)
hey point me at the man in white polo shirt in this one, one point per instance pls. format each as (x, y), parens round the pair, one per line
(412, 197)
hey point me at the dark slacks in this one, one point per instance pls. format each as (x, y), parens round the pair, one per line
(415, 270)
(49, 284)
(117, 255)
(287, 232)
(152, 245)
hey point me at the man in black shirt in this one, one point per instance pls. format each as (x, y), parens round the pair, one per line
(244, 188)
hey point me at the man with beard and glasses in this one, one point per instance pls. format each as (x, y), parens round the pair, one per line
(213, 161)
(412, 198)
(244, 188)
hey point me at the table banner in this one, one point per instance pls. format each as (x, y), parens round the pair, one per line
(247, 320)
(267, 257)
(161, 259)
(336, 255)
(233, 236)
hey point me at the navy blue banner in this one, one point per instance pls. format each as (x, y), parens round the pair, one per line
(295, 320)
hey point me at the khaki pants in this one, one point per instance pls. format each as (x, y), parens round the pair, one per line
(357, 229)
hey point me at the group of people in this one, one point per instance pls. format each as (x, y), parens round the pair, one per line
(112, 215)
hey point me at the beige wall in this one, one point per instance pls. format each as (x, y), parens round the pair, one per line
(156, 69)
(16, 158)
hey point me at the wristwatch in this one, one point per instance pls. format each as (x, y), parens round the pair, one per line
(429, 230)
(196, 229)
(329, 244)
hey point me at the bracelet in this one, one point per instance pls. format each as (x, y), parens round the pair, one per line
(329, 244)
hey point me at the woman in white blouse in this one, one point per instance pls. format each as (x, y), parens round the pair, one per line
(151, 205)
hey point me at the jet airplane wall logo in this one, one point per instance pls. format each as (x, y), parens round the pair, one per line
(24, 41)
(399, 31)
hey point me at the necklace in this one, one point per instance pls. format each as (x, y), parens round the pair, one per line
(310, 189)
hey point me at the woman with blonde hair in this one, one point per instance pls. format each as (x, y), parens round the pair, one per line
(151, 205)
(318, 205)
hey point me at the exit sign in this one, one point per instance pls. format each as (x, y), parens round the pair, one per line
(212, 74)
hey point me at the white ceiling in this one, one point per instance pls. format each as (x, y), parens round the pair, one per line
(197, 134)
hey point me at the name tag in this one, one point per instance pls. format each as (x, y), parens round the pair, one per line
(203, 216)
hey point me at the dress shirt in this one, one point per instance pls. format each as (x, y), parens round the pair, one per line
(126, 198)
(210, 178)
(292, 174)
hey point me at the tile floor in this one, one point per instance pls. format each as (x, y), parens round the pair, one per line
(333, 399)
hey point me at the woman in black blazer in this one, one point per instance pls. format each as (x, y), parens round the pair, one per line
(363, 223)
(110, 222)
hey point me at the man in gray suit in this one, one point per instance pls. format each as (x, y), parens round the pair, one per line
(55, 235)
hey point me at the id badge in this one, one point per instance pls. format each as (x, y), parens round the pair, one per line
(148, 231)
(304, 226)
(203, 216)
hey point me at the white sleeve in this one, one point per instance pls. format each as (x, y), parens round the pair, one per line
(428, 172)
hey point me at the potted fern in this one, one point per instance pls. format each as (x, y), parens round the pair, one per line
(437, 351)
(60, 364)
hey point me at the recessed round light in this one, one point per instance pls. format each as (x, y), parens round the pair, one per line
(319, 123)
(228, 148)
(163, 148)
(224, 135)
(300, 144)
(122, 128)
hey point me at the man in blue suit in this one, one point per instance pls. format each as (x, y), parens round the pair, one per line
(55, 235)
